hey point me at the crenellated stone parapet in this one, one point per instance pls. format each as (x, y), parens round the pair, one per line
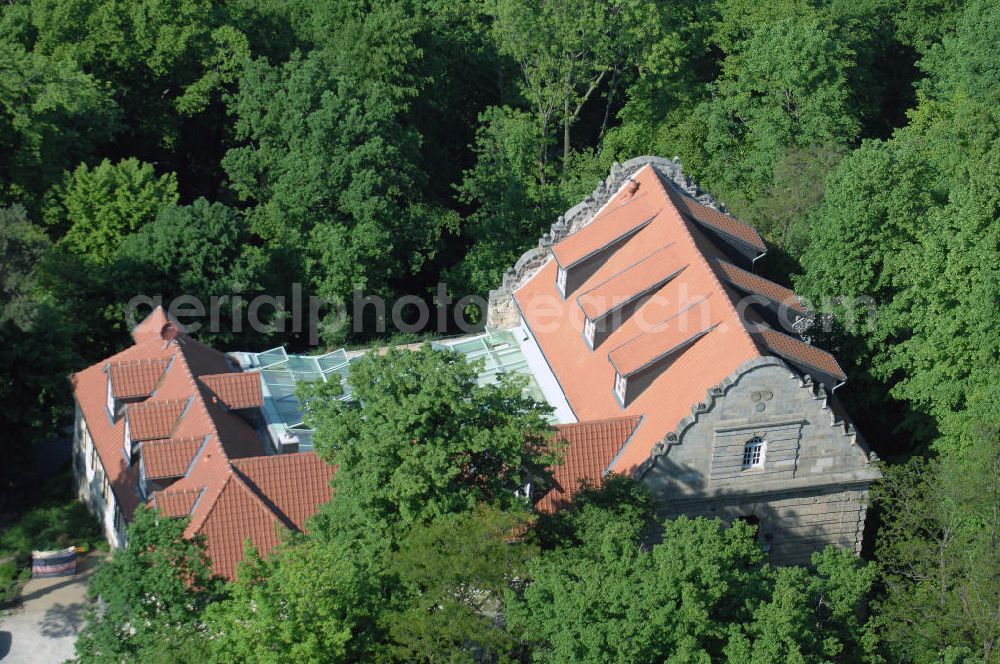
(502, 312)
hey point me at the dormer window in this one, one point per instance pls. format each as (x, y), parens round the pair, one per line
(621, 386)
(111, 400)
(753, 453)
(588, 332)
(128, 439)
(561, 281)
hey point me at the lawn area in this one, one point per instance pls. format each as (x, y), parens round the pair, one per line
(56, 520)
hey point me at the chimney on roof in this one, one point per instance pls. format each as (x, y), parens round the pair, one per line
(168, 332)
(631, 188)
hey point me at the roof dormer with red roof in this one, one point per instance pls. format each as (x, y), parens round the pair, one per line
(168, 422)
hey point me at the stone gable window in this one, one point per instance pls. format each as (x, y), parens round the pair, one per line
(753, 453)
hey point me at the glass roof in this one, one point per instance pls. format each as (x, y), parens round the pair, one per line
(281, 373)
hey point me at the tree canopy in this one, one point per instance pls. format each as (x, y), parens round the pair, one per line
(192, 148)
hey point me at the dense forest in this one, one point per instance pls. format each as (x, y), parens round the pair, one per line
(169, 147)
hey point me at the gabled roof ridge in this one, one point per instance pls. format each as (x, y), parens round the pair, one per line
(704, 260)
(603, 420)
(627, 268)
(660, 326)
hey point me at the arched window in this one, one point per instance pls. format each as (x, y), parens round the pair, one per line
(753, 453)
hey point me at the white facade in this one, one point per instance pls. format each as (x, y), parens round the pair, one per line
(93, 484)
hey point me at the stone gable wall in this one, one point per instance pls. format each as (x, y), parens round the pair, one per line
(813, 487)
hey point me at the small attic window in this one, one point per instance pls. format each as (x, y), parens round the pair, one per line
(621, 386)
(588, 332)
(561, 281)
(111, 405)
(753, 453)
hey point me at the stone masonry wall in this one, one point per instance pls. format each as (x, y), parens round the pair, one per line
(813, 487)
(792, 524)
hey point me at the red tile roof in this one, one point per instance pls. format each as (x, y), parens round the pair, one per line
(799, 352)
(236, 390)
(752, 283)
(718, 221)
(589, 449)
(257, 498)
(617, 222)
(227, 505)
(169, 458)
(136, 378)
(294, 483)
(640, 278)
(175, 503)
(674, 235)
(155, 419)
(691, 323)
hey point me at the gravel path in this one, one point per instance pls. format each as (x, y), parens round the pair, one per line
(43, 627)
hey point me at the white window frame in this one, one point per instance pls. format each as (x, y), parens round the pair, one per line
(111, 399)
(589, 328)
(561, 280)
(142, 481)
(621, 386)
(754, 453)
(128, 439)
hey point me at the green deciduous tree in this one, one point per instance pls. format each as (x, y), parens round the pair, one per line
(203, 250)
(36, 352)
(153, 594)
(565, 50)
(454, 572)
(910, 224)
(703, 593)
(98, 207)
(52, 115)
(784, 86)
(427, 440)
(512, 206)
(308, 602)
(332, 170)
(965, 62)
(939, 547)
(163, 58)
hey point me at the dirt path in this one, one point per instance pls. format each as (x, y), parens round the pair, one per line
(43, 627)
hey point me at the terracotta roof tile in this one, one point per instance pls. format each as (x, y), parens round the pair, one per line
(181, 409)
(664, 338)
(718, 221)
(236, 390)
(635, 280)
(136, 378)
(169, 458)
(235, 516)
(176, 503)
(617, 222)
(752, 283)
(799, 352)
(296, 484)
(589, 449)
(587, 377)
(155, 419)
